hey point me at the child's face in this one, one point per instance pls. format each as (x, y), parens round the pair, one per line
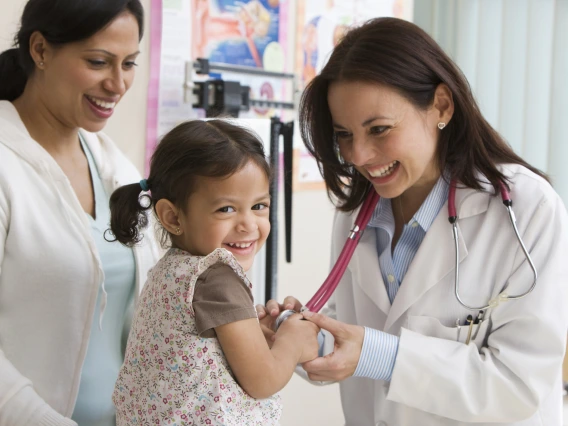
(229, 213)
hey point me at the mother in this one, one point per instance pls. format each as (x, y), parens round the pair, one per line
(73, 61)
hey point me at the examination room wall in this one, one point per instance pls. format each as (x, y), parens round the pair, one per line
(313, 215)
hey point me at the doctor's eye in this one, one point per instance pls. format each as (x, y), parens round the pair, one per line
(226, 209)
(342, 135)
(377, 130)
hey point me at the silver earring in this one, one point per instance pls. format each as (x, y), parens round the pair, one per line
(441, 125)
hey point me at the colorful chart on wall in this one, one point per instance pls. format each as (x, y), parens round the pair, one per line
(320, 24)
(237, 32)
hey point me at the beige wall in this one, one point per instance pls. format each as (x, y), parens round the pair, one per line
(303, 403)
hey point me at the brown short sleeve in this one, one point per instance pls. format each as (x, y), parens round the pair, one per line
(220, 297)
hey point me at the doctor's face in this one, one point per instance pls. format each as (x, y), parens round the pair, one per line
(384, 136)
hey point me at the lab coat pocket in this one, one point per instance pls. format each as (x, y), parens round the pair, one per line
(431, 326)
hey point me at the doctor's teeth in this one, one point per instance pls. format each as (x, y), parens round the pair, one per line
(239, 245)
(384, 171)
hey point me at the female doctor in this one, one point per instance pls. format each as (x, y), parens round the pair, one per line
(391, 113)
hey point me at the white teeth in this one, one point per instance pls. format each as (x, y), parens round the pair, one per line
(103, 104)
(384, 171)
(239, 245)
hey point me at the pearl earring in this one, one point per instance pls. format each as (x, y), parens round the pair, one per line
(441, 125)
(178, 231)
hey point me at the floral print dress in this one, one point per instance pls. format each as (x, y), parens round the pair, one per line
(170, 375)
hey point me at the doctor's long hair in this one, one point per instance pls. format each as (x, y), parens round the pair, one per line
(197, 148)
(397, 53)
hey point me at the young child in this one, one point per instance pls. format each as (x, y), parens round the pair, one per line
(196, 354)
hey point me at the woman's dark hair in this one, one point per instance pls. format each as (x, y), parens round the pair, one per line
(398, 54)
(214, 149)
(60, 22)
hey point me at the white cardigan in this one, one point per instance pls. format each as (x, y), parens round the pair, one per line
(50, 274)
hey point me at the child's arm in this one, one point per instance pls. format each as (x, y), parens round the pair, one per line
(262, 371)
(223, 307)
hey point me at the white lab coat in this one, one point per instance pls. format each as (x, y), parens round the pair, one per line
(512, 373)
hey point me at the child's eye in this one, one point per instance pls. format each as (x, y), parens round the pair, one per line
(226, 209)
(260, 206)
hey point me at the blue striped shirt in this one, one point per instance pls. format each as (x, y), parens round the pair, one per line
(379, 350)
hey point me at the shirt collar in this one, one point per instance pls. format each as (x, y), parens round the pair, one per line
(382, 216)
(425, 214)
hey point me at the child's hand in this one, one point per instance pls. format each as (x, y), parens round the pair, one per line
(268, 314)
(267, 325)
(305, 336)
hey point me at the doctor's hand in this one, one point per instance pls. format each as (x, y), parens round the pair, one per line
(267, 315)
(342, 362)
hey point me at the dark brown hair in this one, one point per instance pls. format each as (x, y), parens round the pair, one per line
(400, 55)
(214, 148)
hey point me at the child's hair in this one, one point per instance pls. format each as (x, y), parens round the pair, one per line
(214, 148)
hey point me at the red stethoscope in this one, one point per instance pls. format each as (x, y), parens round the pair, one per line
(369, 204)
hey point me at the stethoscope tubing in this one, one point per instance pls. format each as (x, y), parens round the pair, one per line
(369, 204)
(502, 297)
(332, 281)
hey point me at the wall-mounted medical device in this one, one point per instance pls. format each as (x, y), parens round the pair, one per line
(217, 96)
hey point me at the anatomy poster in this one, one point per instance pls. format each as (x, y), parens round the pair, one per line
(320, 24)
(238, 32)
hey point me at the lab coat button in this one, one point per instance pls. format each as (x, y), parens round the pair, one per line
(391, 278)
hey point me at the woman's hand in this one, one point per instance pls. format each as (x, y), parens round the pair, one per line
(267, 315)
(342, 362)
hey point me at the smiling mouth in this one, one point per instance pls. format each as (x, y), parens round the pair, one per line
(385, 170)
(100, 103)
(241, 245)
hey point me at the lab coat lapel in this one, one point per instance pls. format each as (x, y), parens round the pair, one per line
(364, 267)
(436, 256)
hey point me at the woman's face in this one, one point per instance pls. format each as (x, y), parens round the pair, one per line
(82, 82)
(384, 136)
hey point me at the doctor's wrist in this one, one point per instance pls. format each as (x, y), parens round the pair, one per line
(378, 355)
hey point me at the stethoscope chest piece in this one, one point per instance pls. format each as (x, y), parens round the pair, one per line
(284, 315)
